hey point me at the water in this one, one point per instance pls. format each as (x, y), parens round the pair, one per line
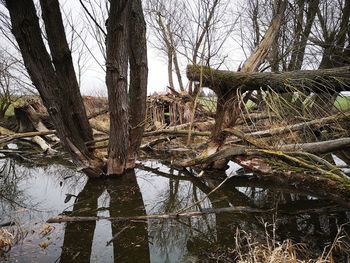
(32, 194)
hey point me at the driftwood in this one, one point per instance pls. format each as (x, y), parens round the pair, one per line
(322, 80)
(237, 209)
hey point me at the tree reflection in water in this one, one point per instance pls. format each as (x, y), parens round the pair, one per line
(163, 191)
(125, 199)
(11, 196)
(298, 215)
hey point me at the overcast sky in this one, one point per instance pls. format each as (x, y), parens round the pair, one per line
(93, 78)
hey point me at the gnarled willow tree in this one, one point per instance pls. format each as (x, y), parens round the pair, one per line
(52, 73)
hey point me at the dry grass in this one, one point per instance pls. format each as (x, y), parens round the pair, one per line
(250, 249)
(9, 237)
(6, 241)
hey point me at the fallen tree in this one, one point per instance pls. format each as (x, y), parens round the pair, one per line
(223, 81)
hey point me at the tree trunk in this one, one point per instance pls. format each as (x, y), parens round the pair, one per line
(116, 79)
(57, 92)
(336, 79)
(169, 48)
(170, 69)
(228, 105)
(62, 60)
(310, 17)
(138, 80)
(177, 71)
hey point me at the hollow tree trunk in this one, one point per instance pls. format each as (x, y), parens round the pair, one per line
(138, 80)
(57, 85)
(116, 79)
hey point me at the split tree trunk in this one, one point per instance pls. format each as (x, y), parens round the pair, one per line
(56, 84)
(228, 103)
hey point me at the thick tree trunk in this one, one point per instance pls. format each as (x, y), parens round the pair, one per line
(57, 93)
(62, 60)
(116, 79)
(138, 80)
(337, 79)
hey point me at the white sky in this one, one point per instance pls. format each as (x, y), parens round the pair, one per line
(93, 78)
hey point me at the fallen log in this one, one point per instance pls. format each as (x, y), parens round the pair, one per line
(15, 136)
(233, 152)
(217, 156)
(321, 80)
(339, 117)
(43, 144)
(227, 152)
(175, 132)
(237, 209)
(29, 120)
(318, 147)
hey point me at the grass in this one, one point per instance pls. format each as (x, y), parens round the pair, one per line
(249, 248)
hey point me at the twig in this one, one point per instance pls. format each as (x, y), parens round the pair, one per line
(116, 235)
(202, 199)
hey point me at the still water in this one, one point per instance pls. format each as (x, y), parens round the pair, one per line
(30, 194)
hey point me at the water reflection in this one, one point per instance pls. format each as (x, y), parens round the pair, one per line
(129, 239)
(10, 194)
(155, 188)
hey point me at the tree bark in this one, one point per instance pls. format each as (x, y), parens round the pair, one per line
(228, 102)
(138, 80)
(319, 147)
(57, 94)
(116, 79)
(222, 81)
(62, 60)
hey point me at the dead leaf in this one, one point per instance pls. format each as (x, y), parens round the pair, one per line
(43, 244)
